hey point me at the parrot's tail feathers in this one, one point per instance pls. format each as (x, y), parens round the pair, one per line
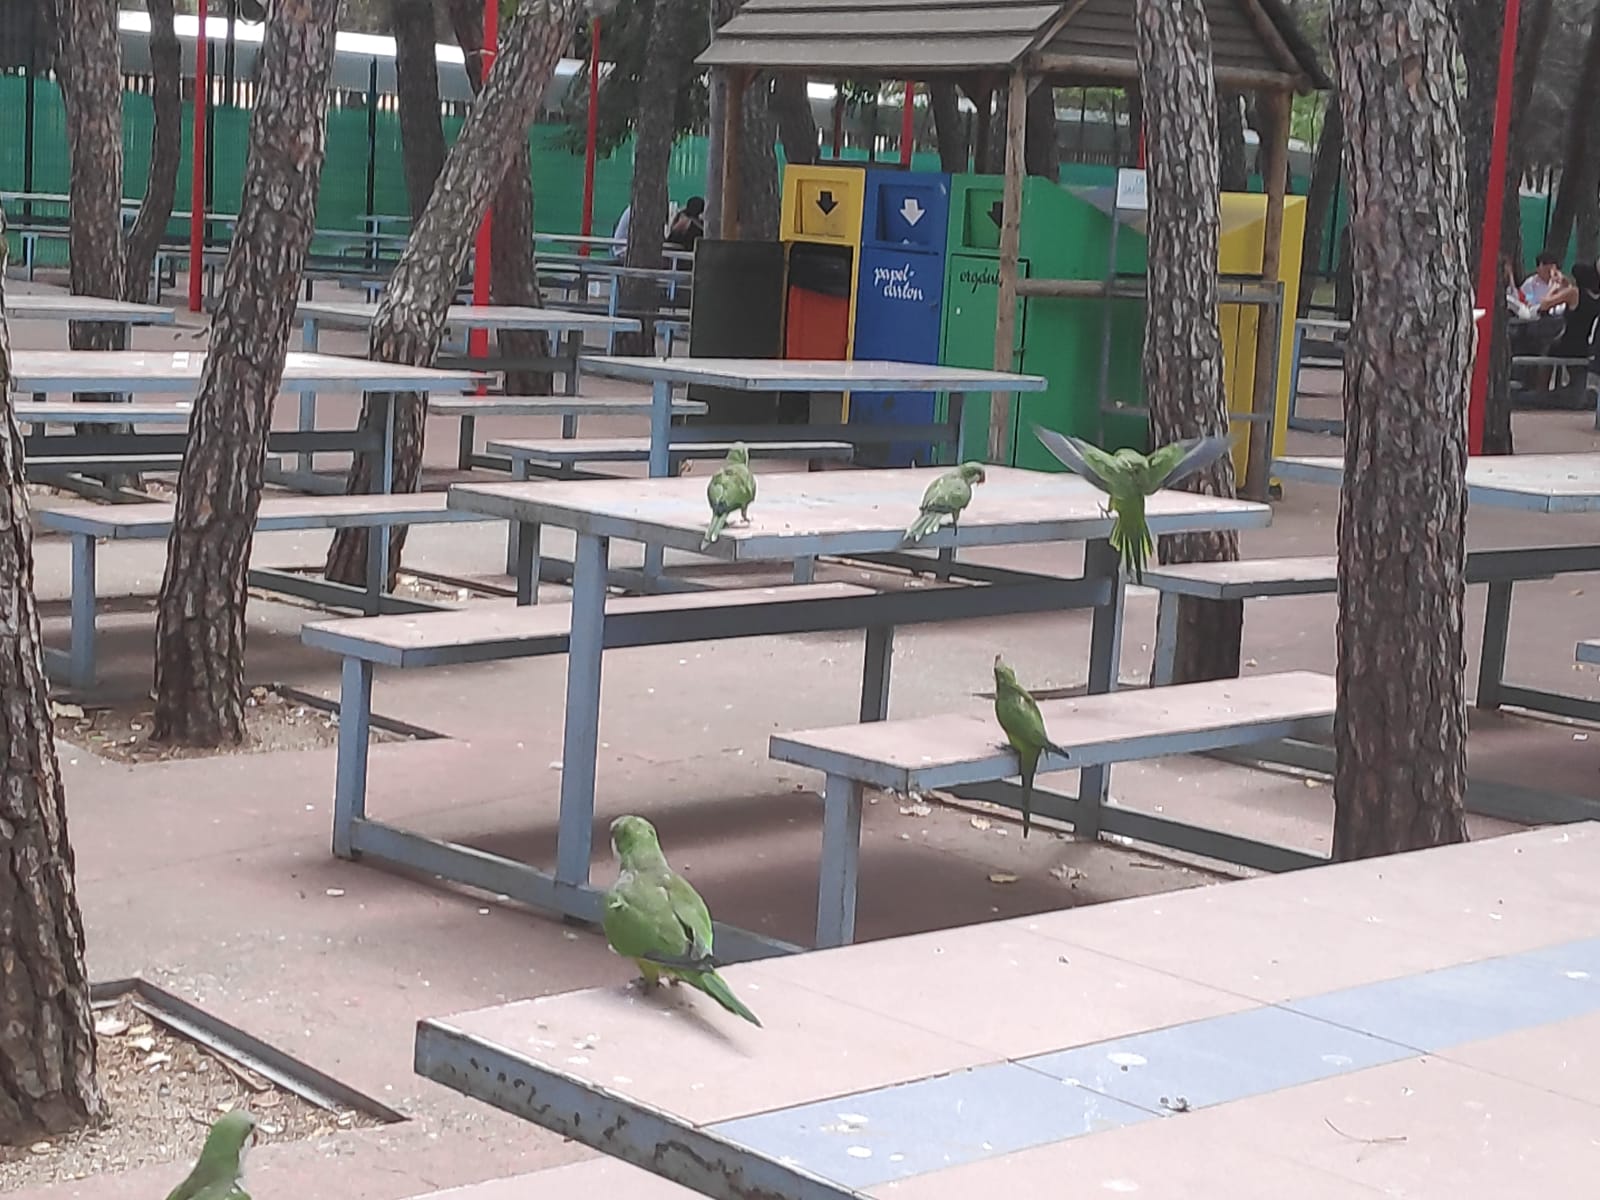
(714, 530)
(922, 527)
(1058, 751)
(1132, 544)
(714, 986)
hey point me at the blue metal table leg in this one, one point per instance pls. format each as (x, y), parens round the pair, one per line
(875, 671)
(1294, 375)
(581, 738)
(308, 399)
(1166, 654)
(660, 465)
(1496, 632)
(355, 722)
(841, 851)
(81, 662)
(1100, 561)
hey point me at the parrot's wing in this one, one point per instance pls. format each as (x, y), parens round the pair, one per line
(722, 492)
(948, 493)
(638, 919)
(692, 914)
(1179, 460)
(1019, 715)
(1094, 464)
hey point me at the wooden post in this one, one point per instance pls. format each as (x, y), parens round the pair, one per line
(1005, 330)
(1264, 400)
(732, 124)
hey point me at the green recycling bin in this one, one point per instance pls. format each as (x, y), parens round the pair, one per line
(1065, 235)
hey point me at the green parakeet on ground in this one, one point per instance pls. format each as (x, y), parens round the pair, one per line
(731, 490)
(946, 496)
(1018, 714)
(1128, 477)
(655, 917)
(217, 1173)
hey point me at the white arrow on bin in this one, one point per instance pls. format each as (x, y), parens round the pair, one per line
(911, 210)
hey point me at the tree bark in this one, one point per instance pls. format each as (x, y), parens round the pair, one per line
(417, 86)
(796, 126)
(760, 198)
(1041, 147)
(47, 1054)
(1320, 196)
(410, 319)
(1580, 173)
(1401, 723)
(984, 142)
(1136, 127)
(514, 272)
(654, 130)
(949, 130)
(1233, 164)
(1182, 341)
(200, 628)
(166, 150)
(90, 70)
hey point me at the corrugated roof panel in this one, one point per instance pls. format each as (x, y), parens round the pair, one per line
(889, 57)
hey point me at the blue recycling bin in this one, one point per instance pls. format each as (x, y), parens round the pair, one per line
(900, 300)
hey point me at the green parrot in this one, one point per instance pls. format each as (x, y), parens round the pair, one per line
(217, 1173)
(946, 496)
(1018, 714)
(1128, 477)
(731, 490)
(655, 917)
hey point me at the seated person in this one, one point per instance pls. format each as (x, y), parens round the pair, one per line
(1582, 314)
(688, 227)
(1547, 291)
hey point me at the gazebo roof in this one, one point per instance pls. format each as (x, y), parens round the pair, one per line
(1255, 43)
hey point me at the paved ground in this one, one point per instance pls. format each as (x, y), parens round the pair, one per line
(212, 877)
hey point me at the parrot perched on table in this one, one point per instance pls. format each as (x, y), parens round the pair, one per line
(655, 917)
(1018, 714)
(1128, 477)
(731, 490)
(216, 1176)
(946, 496)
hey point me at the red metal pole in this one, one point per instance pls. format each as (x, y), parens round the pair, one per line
(1494, 203)
(908, 130)
(197, 196)
(478, 340)
(592, 135)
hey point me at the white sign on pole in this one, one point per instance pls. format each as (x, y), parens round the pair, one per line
(1131, 193)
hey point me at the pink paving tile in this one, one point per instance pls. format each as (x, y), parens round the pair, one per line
(591, 1180)
(1563, 1058)
(1050, 996)
(811, 1047)
(1173, 1159)
(1425, 1128)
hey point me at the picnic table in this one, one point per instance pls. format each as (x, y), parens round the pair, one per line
(1551, 484)
(812, 376)
(59, 306)
(1412, 1026)
(796, 516)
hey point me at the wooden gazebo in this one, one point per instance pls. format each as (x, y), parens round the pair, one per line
(1020, 44)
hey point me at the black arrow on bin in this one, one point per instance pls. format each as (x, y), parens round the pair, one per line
(826, 202)
(997, 211)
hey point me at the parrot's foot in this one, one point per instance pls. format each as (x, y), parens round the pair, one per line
(675, 981)
(646, 984)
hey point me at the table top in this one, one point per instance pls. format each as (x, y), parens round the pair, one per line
(1422, 1025)
(799, 514)
(356, 315)
(1547, 483)
(179, 372)
(811, 375)
(48, 306)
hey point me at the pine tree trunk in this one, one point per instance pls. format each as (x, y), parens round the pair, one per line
(47, 1054)
(1320, 196)
(514, 271)
(410, 319)
(1182, 342)
(1041, 145)
(90, 70)
(949, 130)
(796, 126)
(166, 150)
(1580, 173)
(417, 86)
(983, 139)
(655, 128)
(1233, 165)
(1401, 724)
(200, 616)
(1136, 126)
(760, 200)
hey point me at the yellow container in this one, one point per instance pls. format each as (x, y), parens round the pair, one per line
(1243, 235)
(822, 204)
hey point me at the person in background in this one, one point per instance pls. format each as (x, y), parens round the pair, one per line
(1547, 291)
(1583, 313)
(688, 227)
(620, 233)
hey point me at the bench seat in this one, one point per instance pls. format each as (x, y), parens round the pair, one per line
(570, 452)
(554, 406)
(86, 525)
(968, 749)
(1589, 652)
